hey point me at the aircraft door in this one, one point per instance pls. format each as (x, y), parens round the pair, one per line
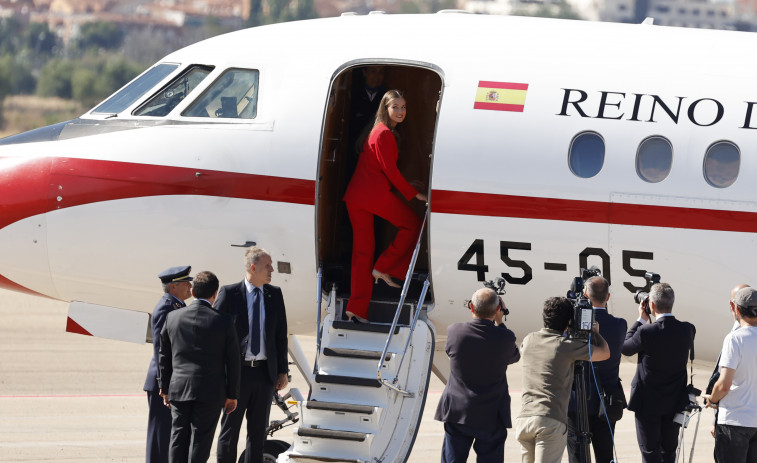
(347, 123)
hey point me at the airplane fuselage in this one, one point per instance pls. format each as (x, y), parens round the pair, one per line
(94, 209)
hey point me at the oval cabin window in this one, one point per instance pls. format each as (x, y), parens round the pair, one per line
(587, 154)
(721, 164)
(654, 159)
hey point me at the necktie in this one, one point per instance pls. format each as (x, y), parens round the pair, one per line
(255, 324)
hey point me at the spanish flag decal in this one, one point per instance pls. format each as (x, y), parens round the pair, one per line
(500, 96)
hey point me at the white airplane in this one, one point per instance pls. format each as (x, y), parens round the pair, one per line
(548, 146)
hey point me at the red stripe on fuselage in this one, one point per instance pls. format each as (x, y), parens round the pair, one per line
(36, 186)
(571, 210)
(39, 185)
(33, 186)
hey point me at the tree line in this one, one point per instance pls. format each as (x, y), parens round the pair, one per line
(105, 56)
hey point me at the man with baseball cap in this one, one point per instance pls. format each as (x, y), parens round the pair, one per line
(177, 288)
(733, 393)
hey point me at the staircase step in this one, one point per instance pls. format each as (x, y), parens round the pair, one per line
(355, 353)
(296, 457)
(347, 380)
(332, 434)
(340, 407)
(367, 327)
(342, 416)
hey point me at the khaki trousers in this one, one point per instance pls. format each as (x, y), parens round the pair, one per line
(542, 439)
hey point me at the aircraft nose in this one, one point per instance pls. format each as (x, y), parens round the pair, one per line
(24, 199)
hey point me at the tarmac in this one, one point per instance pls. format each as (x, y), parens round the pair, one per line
(72, 398)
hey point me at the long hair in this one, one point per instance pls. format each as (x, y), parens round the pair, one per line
(382, 114)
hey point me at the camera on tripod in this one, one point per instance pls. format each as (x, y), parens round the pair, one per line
(498, 286)
(643, 296)
(583, 312)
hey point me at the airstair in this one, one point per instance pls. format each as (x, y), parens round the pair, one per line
(369, 384)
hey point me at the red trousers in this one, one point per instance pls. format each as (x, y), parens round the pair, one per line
(394, 260)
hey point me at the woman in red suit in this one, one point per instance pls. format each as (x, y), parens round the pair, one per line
(369, 193)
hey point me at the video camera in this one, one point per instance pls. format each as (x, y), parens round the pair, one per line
(583, 312)
(498, 286)
(643, 296)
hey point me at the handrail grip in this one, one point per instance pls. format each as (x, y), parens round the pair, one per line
(405, 287)
(421, 300)
(319, 301)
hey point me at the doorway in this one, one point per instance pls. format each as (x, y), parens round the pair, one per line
(344, 130)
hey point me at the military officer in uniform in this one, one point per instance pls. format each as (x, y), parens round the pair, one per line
(177, 288)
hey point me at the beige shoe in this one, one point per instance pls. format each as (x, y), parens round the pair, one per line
(385, 277)
(355, 318)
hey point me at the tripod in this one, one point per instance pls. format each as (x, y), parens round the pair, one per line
(691, 409)
(583, 435)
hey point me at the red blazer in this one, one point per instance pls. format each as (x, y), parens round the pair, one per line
(376, 170)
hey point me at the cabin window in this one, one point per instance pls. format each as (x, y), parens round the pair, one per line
(587, 154)
(234, 95)
(134, 91)
(721, 164)
(654, 159)
(171, 95)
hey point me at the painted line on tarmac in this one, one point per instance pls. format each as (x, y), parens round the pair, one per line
(72, 396)
(82, 443)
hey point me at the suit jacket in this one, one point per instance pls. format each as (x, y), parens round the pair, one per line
(165, 305)
(477, 393)
(377, 173)
(362, 110)
(232, 299)
(613, 329)
(199, 355)
(660, 380)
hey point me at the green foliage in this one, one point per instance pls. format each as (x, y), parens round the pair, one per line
(88, 80)
(10, 36)
(83, 85)
(55, 78)
(16, 72)
(427, 6)
(39, 38)
(560, 10)
(276, 11)
(99, 35)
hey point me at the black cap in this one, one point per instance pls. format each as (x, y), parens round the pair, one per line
(175, 274)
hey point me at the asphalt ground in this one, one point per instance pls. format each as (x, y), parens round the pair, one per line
(72, 398)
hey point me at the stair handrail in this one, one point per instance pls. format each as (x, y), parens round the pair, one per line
(319, 301)
(398, 311)
(421, 300)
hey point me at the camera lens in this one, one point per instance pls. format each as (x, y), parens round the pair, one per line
(640, 296)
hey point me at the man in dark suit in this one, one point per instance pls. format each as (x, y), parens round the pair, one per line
(199, 371)
(260, 320)
(177, 288)
(658, 388)
(367, 91)
(606, 372)
(475, 404)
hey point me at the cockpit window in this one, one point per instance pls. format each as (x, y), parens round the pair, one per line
(171, 95)
(132, 92)
(234, 95)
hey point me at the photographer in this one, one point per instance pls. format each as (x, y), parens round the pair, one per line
(733, 393)
(475, 404)
(548, 361)
(658, 390)
(716, 371)
(601, 419)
